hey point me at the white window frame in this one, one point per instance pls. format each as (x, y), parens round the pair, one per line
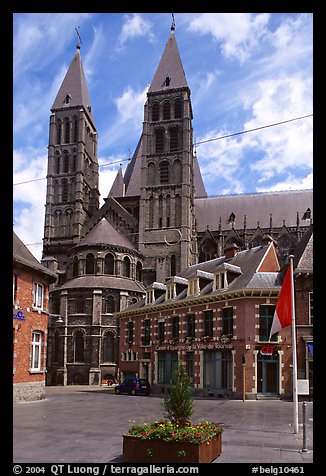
(38, 296)
(36, 351)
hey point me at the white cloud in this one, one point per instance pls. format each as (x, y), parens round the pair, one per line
(134, 26)
(286, 146)
(290, 183)
(130, 108)
(29, 198)
(40, 37)
(238, 33)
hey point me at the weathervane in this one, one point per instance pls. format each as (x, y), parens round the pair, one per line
(173, 23)
(78, 38)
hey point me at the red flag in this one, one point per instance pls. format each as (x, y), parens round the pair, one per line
(283, 312)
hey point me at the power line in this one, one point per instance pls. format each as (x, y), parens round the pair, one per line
(252, 130)
(197, 143)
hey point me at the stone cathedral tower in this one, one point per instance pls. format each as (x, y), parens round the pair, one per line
(72, 194)
(170, 175)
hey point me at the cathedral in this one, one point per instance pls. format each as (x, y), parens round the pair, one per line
(157, 219)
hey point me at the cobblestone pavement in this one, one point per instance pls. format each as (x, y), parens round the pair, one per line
(85, 425)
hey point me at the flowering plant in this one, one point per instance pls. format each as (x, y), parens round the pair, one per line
(166, 430)
(177, 426)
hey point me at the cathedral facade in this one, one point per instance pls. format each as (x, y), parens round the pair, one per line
(156, 221)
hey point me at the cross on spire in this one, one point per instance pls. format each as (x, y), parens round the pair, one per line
(173, 23)
(78, 38)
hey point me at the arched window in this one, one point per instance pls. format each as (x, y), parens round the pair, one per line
(151, 174)
(177, 109)
(75, 129)
(164, 171)
(59, 131)
(159, 140)
(139, 270)
(67, 130)
(151, 212)
(108, 350)
(90, 264)
(57, 162)
(160, 211)
(168, 210)
(66, 163)
(156, 112)
(174, 139)
(177, 171)
(75, 266)
(126, 267)
(56, 191)
(109, 264)
(177, 210)
(64, 196)
(166, 110)
(69, 221)
(79, 352)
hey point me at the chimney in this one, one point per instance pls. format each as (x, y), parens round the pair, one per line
(231, 250)
(267, 239)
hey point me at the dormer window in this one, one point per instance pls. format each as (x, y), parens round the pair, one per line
(150, 298)
(193, 287)
(221, 281)
(67, 98)
(167, 81)
(171, 291)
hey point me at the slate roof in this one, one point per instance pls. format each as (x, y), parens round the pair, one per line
(104, 282)
(103, 233)
(22, 255)
(242, 275)
(169, 65)
(257, 207)
(303, 254)
(74, 84)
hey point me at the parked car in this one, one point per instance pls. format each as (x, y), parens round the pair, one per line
(133, 386)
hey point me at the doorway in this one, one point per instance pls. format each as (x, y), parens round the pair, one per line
(267, 375)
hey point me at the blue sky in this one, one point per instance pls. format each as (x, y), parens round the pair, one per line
(244, 70)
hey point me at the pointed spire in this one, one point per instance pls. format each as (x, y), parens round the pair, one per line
(169, 73)
(73, 91)
(117, 189)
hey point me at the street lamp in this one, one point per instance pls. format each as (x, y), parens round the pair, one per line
(58, 318)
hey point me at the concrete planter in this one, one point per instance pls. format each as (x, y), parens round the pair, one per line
(136, 450)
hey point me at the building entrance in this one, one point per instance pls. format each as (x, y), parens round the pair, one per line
(267, 374)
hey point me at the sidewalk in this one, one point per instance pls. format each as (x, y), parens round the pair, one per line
(85, 425)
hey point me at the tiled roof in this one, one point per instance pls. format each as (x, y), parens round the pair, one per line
(103, 233)
(257, 207)
(75, 85)
(241, 275)
(170, 65)
(303, 254)
(101, 281)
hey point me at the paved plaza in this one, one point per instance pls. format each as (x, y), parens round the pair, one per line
(86, 424)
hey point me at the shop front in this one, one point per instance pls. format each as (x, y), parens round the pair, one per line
(268, 371)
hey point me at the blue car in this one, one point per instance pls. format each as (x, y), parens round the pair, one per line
(133, 386)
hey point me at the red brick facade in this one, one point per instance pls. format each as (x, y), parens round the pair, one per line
(30, 323)
(238, 362)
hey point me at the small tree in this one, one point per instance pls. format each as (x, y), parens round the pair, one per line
(178, 402)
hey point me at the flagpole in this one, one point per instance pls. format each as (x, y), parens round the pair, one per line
(294, 354)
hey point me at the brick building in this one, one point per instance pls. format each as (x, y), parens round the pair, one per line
(30, 322)
(215, 317)
(158, 220)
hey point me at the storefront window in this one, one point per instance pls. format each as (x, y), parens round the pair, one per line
(167, 363)
(218, 370)
(266, 315)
